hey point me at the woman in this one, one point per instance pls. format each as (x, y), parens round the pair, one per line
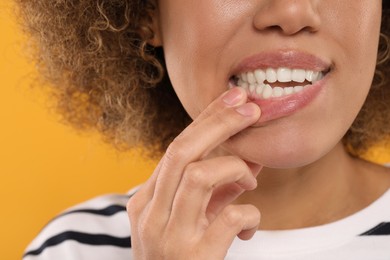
(284, 97)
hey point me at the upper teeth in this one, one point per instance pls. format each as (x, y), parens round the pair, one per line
(253, 81)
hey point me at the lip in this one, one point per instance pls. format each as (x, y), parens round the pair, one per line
(274, 108)
(293, 59)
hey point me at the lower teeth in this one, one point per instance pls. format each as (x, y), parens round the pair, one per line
(265, 91)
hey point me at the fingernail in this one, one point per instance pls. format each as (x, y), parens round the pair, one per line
(247, 109)
(232, 97)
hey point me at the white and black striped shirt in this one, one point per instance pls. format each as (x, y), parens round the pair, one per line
(99, 229)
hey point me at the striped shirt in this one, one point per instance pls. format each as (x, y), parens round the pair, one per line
(99, 229)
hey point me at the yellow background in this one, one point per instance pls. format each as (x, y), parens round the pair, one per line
(45, 166)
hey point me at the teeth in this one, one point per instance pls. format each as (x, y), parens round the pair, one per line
(244, 77)
(252, 88)
(316, 76)
(298, 89)
(309, 75)
(283, 75)
(271, 76)
(251, 78)
(313, 76)
(277, 92)
(260, 89)
(267, 91)
(245, 85)
(289, 90)
(254, 82)
(298, 75)
(260, 76)
(280, 75)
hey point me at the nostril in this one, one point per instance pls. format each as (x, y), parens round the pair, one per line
(287, 17)
(274, 28)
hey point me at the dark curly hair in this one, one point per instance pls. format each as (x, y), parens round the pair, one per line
(105, 76)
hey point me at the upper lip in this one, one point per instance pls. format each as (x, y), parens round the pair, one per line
(293, 59)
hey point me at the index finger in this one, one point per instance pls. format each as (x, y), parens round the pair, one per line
(225, 117)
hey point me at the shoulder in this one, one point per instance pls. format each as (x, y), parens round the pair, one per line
(96, 229)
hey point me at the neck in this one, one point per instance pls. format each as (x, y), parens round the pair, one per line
(330, 189)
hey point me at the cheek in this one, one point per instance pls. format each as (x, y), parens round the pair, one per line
(183, 56)
(196, 37)
(357, 35)
(354, 68)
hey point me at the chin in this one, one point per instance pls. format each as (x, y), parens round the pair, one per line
(279, 154)
(289, 161)
(286, 158)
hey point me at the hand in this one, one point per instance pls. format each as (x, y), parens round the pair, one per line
(184, 210)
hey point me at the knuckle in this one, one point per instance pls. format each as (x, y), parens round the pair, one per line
(133, 207)
(195, 175)
(131, 204)
(232, 216)
(176, 151)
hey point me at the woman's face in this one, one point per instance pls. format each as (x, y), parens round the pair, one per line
(269, 47)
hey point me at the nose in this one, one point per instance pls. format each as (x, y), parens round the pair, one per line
(287, 16)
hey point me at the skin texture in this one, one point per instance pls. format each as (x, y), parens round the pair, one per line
(199, 69)
(200, 190)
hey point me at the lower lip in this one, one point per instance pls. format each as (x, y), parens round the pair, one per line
(274, 108)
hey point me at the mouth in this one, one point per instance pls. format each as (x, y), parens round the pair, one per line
(281, 82)
(275, 83)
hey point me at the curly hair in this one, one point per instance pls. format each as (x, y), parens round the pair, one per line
(105, 76)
